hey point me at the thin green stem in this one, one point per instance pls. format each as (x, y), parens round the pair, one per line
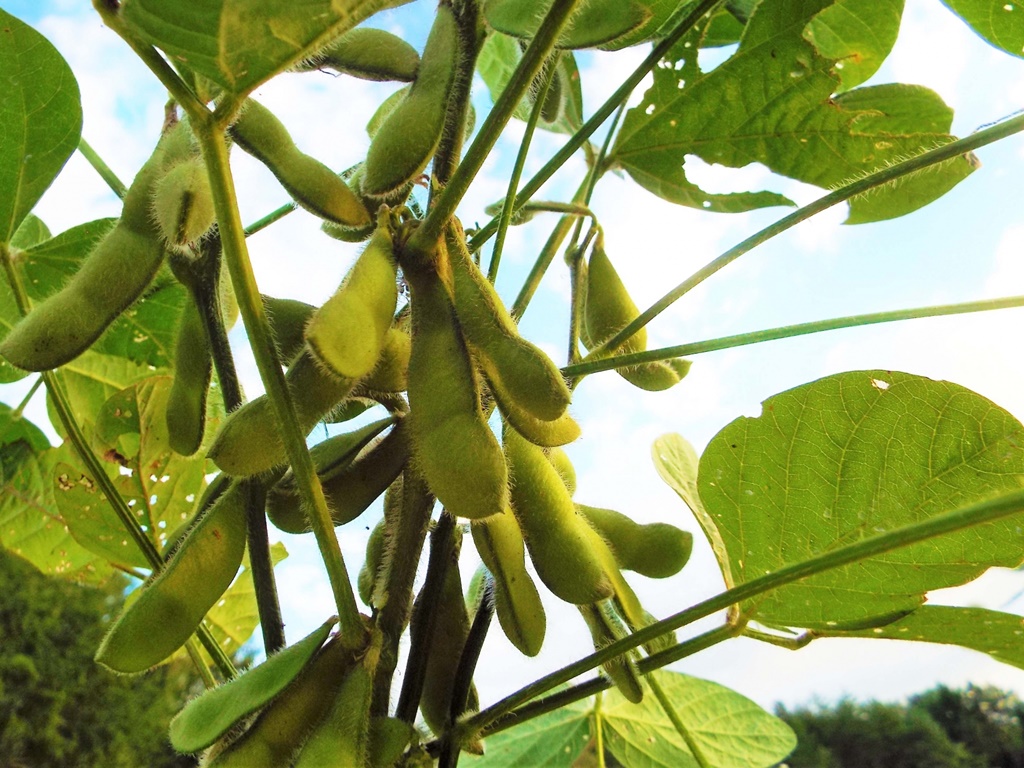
(613, 103)
(599, 731)
(517, 169)
(533, 59)
(597, 168)
(589, 366)
(102, 168)
(192, 648)
(794, 643)
(16, 413)
(270, 218)
(577, 277)
(974, 514)
(261, 340)
(879, 178)
(677, 723)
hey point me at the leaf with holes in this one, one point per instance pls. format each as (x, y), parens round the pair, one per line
(857, 35)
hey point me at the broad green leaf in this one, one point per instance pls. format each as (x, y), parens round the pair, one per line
(730, 730)
(857, 34)
(1000, 22)
(677, 462)
(499, 57)
(847, 457)
(1000, 635)
(16, 427)
(773, 103)
(235, 617)
(90, 519)
(239, 44)
(31, 231)
(40, 119)
(553, 740)
(30, 523)
(207, 717)
(162, 487)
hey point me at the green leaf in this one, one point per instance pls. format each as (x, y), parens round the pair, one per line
(162, 487)
(677, 462)
(16, 427)
(857, 34)
(41, 115)
(730, 730)
(773, 102)
(998, 634)
(999, 22)
(31, 231)
(846, 457)
(239, 44)
(553, 740)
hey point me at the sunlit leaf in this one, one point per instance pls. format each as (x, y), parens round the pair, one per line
(31, 231)
(553, 740)
(857, 34)
(847, 457)
(1000, 22)
(40, 119)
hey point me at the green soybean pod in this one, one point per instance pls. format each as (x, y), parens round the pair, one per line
(173, 602)
(369, 54)
(605, 630)
(183, 202)
(214, 712)
(114, 275)
(342, 738)
(279, 732)
(558, 540)
(563, 465)
(655, 550)
(347, 333)
(549, 434)
(528, 378)
(288, 318)
(406, 140)
(193, 367)
(389, 738)
(452, 445)
(372, 564)
(516, 600)
(312, 184)
(392, 371)
(249, 441)
(595, 22)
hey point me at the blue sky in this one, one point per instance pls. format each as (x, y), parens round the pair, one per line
(966, 246)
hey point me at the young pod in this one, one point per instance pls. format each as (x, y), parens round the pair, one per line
(342, 738)
(516, 600)
(367, 578)
(369, 54)
(288, 319)
(114, 275)
(557, 538)
(174, 601)
(605, 629)
(406, 140)
(183, 202)
(563, 465)
(216, 711)
(607, 309)
(389, 738)
(193, 367)
(312, 184)
(656, 550)
(392, 371)
(595, 22)
(347, 333)
(453, 446)
(249, 441)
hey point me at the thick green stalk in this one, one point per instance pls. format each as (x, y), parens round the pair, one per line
(788, 331)
(965, 517)
(102, 168)
(236, 254)
(877, 179)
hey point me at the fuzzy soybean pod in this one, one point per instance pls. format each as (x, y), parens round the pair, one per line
(655, 550)
(183, 202)
(369, 54)
(454, 448)
(607, 309)
(193, 367)
(249, 441)
(342, 738)
(517, 602)
(605, 630)
(114, 275)
(347, 333)
(283, 726)
(173, 602)
(557, 538)
(372, 564)
(563, 465)
(288, 318)
(312, 184)
(406, 140)
(212, 714)
(392, 371)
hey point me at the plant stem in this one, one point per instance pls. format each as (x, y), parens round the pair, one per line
(102, 168)
(577, 275)
(257, 327)
(589, 366)
(442, 550)
(614, 101)
(789, 643)
(517, 169)
(677, 723)
(17, 412)
(599, 731)
(533, 58)
(270, 218)
(964, 517)
(879, 178)
(192, 648)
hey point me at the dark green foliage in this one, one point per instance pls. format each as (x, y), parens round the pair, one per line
(988, 721)
(60, 709)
